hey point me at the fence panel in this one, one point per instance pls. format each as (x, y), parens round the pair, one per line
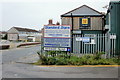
(97, 43)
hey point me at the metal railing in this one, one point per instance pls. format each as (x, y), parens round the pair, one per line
(96, 43)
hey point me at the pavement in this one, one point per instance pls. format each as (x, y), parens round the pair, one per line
(28, 59)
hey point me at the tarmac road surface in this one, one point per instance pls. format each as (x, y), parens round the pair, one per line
(13, 66)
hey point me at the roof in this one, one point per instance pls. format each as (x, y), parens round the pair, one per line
(83, 10)
(3, 32)
(25, 29)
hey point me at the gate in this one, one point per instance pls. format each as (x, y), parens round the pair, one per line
(92, 43)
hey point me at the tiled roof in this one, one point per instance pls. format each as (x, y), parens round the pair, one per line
(25, 29)
(82, 11)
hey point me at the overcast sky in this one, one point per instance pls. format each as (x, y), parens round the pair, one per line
(35, 14)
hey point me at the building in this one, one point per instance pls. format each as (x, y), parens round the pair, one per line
(113, 22)
(23, 34)
(87, 26)
(84, 19)
(3, 34)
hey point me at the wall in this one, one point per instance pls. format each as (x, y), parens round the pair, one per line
(12, 36)
(96, 22)
(115, 22)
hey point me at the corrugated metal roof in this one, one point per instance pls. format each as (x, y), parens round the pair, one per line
(25, 29)
(83, 10)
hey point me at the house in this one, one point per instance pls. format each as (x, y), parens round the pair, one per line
(23, 34)
(86, 23)
(3, 34)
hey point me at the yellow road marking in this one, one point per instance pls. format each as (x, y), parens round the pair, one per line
(79, 66)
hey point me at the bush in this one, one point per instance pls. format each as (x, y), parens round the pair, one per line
(98, 55)
(74, 60)
(64, 59)
(61, 61)
(51, 61)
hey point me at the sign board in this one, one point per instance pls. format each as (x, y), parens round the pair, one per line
(76, 32)
(92, 41)
(83, 39)
(57, 42)
(84, 22)
(86, 39)
(57, 37)
(55, 49)
(112, 36)
(78, 38)
(57, 31)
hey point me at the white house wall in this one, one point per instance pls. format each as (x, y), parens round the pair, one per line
(12, 30)
(12, 36)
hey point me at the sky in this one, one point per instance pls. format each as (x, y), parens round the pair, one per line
(34, 14)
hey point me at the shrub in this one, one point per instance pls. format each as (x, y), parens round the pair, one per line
(98, 55)
(65, 59)
(52, 61)
(74, 60)
(42, 58)
(61, 61)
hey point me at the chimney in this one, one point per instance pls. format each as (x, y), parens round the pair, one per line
(50, 21)
(57, 23)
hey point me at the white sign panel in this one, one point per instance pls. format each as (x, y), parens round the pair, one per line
(55, 49)
(57, 31)
(78, 38)
(77, 32)
(92, 41)
(112, 36)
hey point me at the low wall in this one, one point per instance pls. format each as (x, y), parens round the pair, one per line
(4, 47)
(25, 44)
(15, 45)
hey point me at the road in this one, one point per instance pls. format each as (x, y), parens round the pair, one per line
(13, 67)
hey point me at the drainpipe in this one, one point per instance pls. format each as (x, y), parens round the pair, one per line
(72, 33)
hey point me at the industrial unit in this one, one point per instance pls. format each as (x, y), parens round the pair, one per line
(113, 22)
(23, 34)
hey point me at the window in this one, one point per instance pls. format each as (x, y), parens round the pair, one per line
(84, 23)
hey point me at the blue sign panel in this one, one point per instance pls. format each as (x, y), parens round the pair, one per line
(86, 39)
(57, 42)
